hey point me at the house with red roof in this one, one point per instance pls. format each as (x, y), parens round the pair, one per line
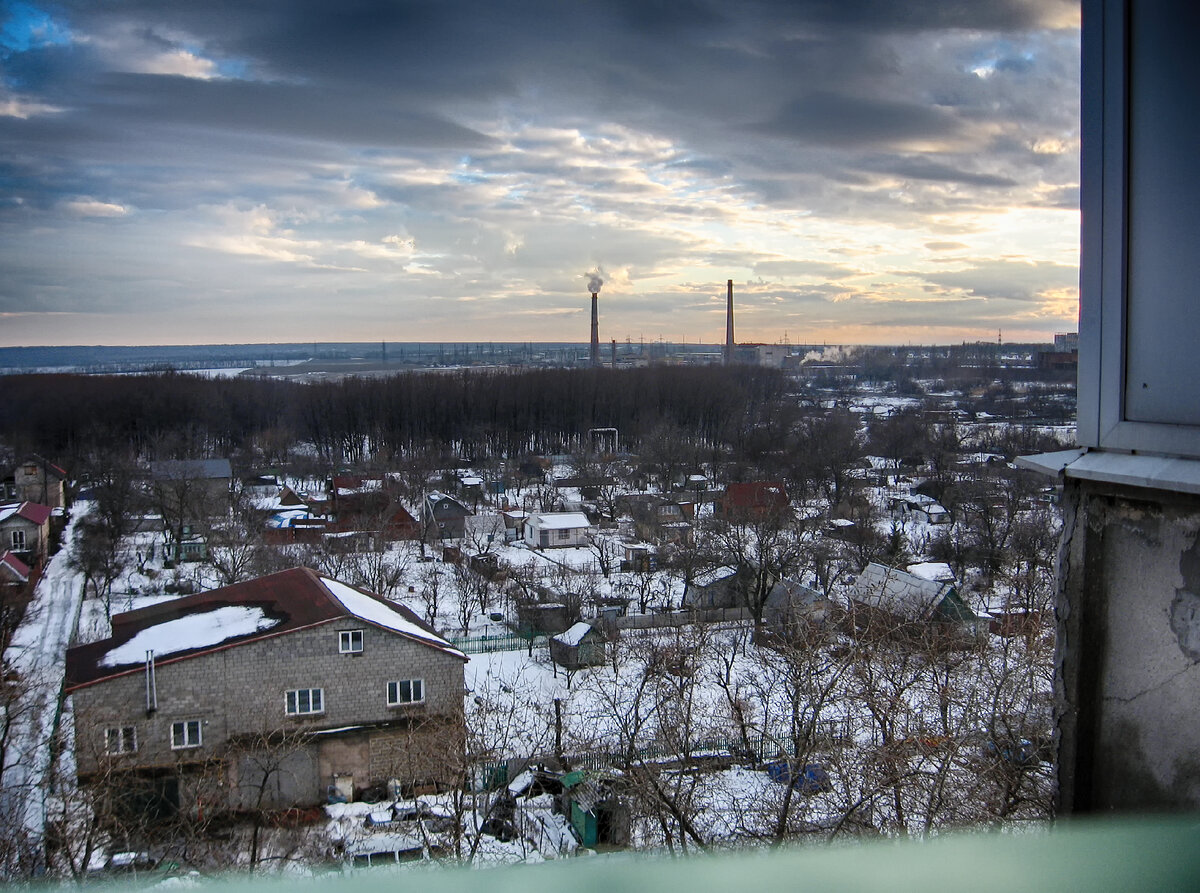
(351, 690)
(13, 571)
(25, 530)
(752, 499)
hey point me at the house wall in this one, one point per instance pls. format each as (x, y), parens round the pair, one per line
(34, 485)
(1128, 649)
(576, 536)
(36, 538)
(241, 690)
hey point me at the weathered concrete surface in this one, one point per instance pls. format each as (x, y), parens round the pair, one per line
(1129, 650)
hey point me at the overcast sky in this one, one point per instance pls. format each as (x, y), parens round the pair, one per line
(866, 171)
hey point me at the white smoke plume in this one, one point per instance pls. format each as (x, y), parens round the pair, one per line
(595, 280)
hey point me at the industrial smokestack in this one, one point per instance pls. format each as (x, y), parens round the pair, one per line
(614, 354)
(729, 323)
(595, 352)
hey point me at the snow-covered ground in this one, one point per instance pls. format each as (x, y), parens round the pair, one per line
(37, 654)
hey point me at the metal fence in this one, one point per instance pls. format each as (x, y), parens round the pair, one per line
(489, 644)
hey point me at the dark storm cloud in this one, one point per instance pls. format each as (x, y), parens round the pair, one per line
(510, 142)
(832, 119)
(919, 168)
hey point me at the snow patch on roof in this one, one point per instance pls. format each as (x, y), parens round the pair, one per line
(938, 571)
(373, 611)
(575, 634)
(562, 520)
(201, 630)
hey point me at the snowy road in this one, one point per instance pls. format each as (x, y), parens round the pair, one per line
(37, 654)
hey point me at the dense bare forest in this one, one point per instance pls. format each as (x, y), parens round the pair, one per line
(172, 415)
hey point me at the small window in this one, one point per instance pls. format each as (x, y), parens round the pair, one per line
(120, 740)
(305, 701)
(350, 641)
(18, 540)
(405, 691)
(564, 534)
(185, 734)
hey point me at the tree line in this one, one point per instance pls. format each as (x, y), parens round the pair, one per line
(173, 415)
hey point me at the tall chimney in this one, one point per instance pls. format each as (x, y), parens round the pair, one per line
(614, 353)
(729, 323)
(595, 353)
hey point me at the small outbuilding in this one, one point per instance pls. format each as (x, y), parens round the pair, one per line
(580, 646)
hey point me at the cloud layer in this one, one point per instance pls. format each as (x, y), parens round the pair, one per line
(266, 171)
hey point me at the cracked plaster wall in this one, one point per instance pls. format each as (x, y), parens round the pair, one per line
(1129, 650)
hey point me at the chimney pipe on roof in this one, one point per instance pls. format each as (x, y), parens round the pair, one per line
(729, 323)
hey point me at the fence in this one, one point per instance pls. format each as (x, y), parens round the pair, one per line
(490, 644)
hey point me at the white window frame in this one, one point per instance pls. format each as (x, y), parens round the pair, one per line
(348, 639)
(304, 702)
(395, 691)
(119, 740)
(18, 540)
(1103, 420)
(181, 734)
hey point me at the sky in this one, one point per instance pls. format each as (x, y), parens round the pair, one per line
(227, 171)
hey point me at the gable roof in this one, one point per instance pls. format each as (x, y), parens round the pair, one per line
(235, 615)
(14, 566)
(755, 495)
(33, 512)
(900, 592)
(561, 520)
(48, 467)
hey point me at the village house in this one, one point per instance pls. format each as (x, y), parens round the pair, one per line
(344, 689)
(25, 530)
(752, 500)
(658, 519)
(444, 517)
(14, 573)
(794, 612)
(895, 597)
(581, 645)
(557, 530)
(369, 505)
(34, 479)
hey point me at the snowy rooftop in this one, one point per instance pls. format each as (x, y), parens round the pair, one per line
(562, 520)
(575, 634)
(373, 610)
(194, 631)
(233, 615)
(938, 571)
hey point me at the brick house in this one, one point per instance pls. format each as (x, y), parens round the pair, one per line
(352, 692)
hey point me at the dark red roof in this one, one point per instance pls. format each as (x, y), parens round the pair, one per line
(18, 567)
(34, 512)
(760, 495)
(296, 598)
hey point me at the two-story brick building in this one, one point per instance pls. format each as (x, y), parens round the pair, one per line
(347, 689)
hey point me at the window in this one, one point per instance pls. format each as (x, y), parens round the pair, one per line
(185, 734)
(350, 641)
(18, 540)
(564, 534)
(406, 691)
(304, 701)
(120, 740)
